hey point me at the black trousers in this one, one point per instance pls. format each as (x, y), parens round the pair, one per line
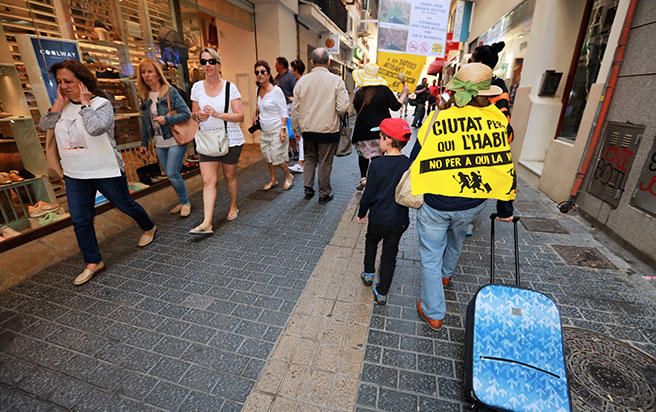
(391, 236)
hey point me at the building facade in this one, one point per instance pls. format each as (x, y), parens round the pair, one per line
(557, 63)
(111, 37)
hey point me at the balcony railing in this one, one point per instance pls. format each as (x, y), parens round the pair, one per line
(372, 7)
(335, 11)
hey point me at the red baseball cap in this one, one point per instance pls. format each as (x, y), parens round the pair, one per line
(396, 128)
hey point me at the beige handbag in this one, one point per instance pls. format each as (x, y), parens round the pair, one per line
(403, 194)
(53, 161)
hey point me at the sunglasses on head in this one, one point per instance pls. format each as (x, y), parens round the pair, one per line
(203, 62)
(258, 72)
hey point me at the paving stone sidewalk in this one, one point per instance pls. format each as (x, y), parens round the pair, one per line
(409, 367)
(184, 324)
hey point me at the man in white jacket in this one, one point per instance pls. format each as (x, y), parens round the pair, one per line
(320, 98)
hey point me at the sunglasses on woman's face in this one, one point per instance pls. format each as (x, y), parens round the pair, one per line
(203, 62)
(258, 72)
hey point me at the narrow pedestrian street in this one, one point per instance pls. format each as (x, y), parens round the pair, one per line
(269, 313)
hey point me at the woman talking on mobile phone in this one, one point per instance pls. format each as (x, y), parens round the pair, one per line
(83, 123)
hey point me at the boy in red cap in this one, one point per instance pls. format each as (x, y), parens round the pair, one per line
(387, 219)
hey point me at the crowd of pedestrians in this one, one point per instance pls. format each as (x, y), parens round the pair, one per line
(299, 117)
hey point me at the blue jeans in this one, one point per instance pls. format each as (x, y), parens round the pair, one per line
(441, 235)
(81, 196)
(170, 160)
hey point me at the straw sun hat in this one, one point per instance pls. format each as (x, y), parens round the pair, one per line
(473, 79)
(368, 76)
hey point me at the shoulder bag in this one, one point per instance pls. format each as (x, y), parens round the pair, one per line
(344, 148)
(214, 143)
(183, 132)
(403, 193)
(256, 125)
(53, 161)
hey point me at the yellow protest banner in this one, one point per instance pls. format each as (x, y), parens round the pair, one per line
(466, 154)
(391, 64)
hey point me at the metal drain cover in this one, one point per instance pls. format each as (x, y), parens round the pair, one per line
(583, 256)
(606, 374)
(527, 204)
(538, 224)
(264, 195)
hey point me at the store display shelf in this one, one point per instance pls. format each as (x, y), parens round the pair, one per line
(7, 140)
(12, 119)
(127, 146)
(121, 80)
(14, 185)
(123, 116)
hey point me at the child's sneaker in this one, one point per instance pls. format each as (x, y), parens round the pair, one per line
(380, 299)
(368, 278)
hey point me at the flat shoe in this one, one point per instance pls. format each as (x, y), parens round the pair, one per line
(147, 237)
(233, 216)
(176, 209)
(200, 231)
(88, 274)
(185, 210)
(269, 186)
(288, 183)
(435, 324)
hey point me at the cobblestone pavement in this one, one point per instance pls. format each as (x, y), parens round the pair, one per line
(409, 367)
(183, 324)
(271, 309)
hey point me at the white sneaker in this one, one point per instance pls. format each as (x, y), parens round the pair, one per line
(296, 168)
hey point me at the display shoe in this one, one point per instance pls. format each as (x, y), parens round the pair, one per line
(147, 237)
(5, 179)
(49, 207)
(7, 232)
(288, 183)
(176, 209)
(185, 210)
(88, 274)
(35, 212)
(15, 176)
(48, 218)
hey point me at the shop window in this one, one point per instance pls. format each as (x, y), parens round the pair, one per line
(111, 37)
(513, 29)
(586, 71)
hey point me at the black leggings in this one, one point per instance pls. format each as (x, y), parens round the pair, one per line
(363, 162)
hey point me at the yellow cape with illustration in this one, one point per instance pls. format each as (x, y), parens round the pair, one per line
(465, 154)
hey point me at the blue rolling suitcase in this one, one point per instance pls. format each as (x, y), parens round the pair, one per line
(514, 356)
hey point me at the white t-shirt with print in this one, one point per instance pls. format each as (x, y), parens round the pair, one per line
(198, 95)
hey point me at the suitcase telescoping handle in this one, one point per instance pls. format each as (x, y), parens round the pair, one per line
(493, 218)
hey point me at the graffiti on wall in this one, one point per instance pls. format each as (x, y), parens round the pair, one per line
(620, 144)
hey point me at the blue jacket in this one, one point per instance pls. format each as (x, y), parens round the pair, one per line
(177, 103)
